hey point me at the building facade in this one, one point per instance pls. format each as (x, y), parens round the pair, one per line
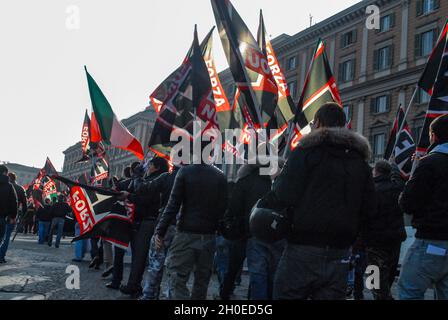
(376, 69)
(25, 174)
(140, 125)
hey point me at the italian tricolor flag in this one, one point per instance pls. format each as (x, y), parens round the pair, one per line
(112, 131)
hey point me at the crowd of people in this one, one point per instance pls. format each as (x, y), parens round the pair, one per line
(190, 221)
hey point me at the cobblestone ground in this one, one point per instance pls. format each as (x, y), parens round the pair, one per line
(38, 272)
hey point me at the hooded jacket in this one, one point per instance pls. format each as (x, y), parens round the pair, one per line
(249, 188)
(8, 198)
(425, 195)
(386, 225)
(327, 184)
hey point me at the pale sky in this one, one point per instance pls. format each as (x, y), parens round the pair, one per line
(129, 47)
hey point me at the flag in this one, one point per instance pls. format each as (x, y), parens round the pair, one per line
(190, 98)
(100, 171)
(112, 131)
(438, 105)
(400, 150)
(43, 186)
(285, 105)
(85, 139)
(248, 65)
(429, 75)
(319, 88)
(100, 214)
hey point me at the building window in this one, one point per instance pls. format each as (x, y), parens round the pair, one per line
(380, 104)
(347, 71)
(422, 97)
(348, 38)
(383, 58)
(292, 86)
(379, 143)
(425, 42)
(292, 63)
(427, 6)
(387, 22)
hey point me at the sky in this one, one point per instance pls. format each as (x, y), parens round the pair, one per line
(128, 46)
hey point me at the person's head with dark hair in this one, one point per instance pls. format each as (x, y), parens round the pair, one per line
(159, 165)
(438, 130)
(12, 177)
(47, 201)
(330, 115)
(382, 168)
(61, 198)
(127, 172)
(3, 169)
(134, 165)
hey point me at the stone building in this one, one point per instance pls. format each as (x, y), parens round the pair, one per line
(376, 70)
(140, 125)
(25, 174)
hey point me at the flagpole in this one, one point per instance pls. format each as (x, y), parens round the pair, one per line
(404, 120)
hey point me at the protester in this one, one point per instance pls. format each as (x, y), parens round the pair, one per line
(58, 212)
(27, 220)
(262, 258)
(8, 210)
(159, 187)
(425, 199)
(119, 253)
(328, 184)
(43, 214)
(385, 231)
(146, 213)
(198, 200)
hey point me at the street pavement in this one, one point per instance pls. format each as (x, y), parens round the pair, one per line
(38, 272)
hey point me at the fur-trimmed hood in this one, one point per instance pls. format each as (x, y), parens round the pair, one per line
(338, 137)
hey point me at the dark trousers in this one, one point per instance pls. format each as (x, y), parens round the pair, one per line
(117, 273)
(140, 247)
(96, 250)
(237, 255)
(306, 272)
(386, 259)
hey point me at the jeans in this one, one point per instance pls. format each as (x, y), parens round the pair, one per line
(2, 227)
(386, 259)
(190, 253)
(262, 262)
(423, 269)
(222, 258)
(44, 228)
(81, 245)
(5, 240)
(141, 244)
(306, 272)
(58, 224)
(237, 255)
(157, 259)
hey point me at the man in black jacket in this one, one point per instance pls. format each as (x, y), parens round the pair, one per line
(425, 198)
(58, 212)
(22, 206)
(43, 214)
(199, 199)
(262, 258)
(8, 201)
(159, 187)
(328, 184)
(385, 231)
(146, 213)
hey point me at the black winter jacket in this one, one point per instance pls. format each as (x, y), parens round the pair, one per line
(425, 196)
(8, 198)
(249, 188)
(199, 195)
(146, 208)
(21, 197)
(60, 210)
(44, 213)
(328, 185)
(386, 224)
